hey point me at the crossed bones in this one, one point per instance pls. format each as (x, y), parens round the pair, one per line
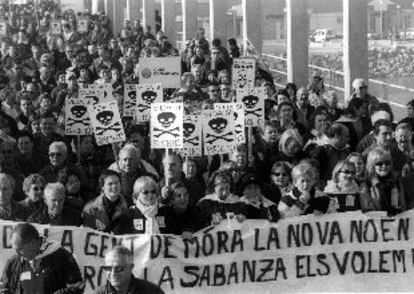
(143, 107)
(74, 121)
(193, 141)
(115, 127)
(223, 137)
(254, 112)
(170, 132)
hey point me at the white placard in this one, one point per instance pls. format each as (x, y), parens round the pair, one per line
(254, 104)
(238, 109)
(130, 100)
(146, 95)
(166, 125)
(192, 136)
(243, 73)
(77, 120)
(83, 25)
(164, 70)
(106, 123)
(219, 136)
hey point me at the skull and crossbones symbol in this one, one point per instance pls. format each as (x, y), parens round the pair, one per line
(250, 102)
(78, 112)
(219, 125)
(130, 103)
(148, 97)
(166, 119)
(105, 118)
(189, 129)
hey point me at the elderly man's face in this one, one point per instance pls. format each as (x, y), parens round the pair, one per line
(54, 201)
(403, 138)
(47, 126)
(118, 269)
(57, 157)
(128, 161)
(6, 191)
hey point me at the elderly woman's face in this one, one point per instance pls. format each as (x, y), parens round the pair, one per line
(35, 192)
(56, 156)
(127, 161)
(240, 158)
(148, 194)
(403, 138)
(54, 201)
(382, 167)
(180, 199)
(222, 190)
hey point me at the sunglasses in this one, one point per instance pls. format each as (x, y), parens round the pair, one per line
(146, 192)
(55, 154)
(36, 188)
(382, 163)
(5, 151)
(276, 174)
(348, 172)
(115, 269)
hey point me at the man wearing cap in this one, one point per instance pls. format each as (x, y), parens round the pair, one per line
(360, 88)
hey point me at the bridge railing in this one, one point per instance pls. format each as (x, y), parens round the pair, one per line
(396, 95)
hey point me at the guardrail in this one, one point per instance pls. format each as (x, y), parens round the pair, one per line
(334, 80)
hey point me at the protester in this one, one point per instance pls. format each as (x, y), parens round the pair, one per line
(50, 267)
(118, 265)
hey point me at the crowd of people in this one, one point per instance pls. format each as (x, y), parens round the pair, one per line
(309, 157)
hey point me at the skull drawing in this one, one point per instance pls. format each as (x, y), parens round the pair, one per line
(105, 117)
(250, 101)
(166, 119)
(218, 124)
(78, 110)
(149, 96)
(188, 129)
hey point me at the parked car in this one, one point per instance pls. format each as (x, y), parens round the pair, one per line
(321, 35)
(409, 34)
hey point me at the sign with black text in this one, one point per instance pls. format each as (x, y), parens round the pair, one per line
(166, 125)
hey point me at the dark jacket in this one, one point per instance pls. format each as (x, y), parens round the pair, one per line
(136, 286)
(137, 222)
(58, 272)
(68, 217)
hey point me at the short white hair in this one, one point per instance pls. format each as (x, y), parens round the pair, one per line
(129, 148)
(54, 187)
(61, 146)
(8, 178)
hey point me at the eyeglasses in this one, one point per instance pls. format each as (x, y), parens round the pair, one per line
(146, 192)
(55, 154)
(276, 174)
(348, 172)
(382, 163)
(115, 269)
(7, 151)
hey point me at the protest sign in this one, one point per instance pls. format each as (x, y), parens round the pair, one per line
(106, 123)
(130, 100)
(99, 93)
(254, 105)
(146, 95)
(219, 136)
(238, 109)
(3, 28)
(56, 27)
(192, 136)
(243, 73)
(83, 25)
(166, 125)
(164, 70)
(77, 120)
(345, 252)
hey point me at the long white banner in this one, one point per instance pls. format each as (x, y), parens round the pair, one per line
(339, 252)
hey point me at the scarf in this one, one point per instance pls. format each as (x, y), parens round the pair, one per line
(151, 225)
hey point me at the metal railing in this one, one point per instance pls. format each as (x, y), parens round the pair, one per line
(396, 95)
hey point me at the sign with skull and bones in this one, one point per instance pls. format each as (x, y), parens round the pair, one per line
(219, 136)
(77, 120)
(254, 104)
(243, 73)
(146, 95)
(130, 100)
(238, 111)
(192, 136)
(166, 125)
(106, 123)
(98, 93)
(164, 70)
